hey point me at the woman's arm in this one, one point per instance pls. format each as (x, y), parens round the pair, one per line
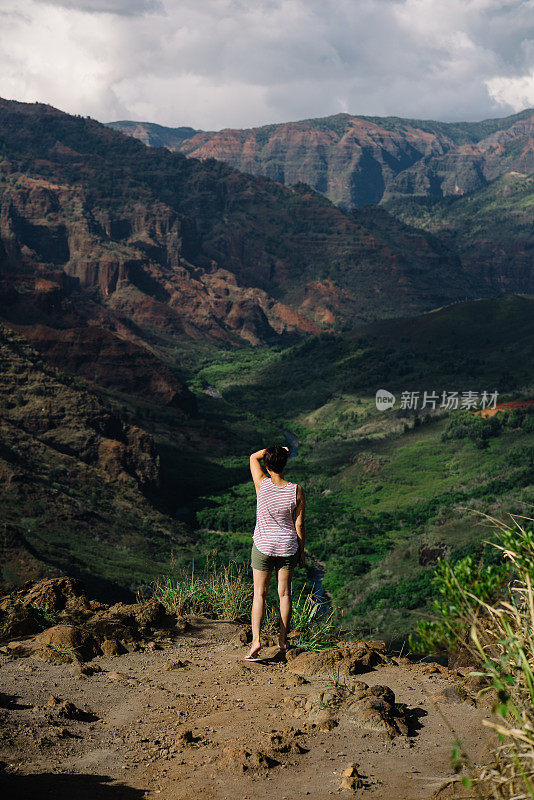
(299, 524)
(255, 468)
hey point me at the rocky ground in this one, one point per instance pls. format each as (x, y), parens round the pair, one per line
(128, 702)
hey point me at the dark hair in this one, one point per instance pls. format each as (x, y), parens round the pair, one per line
(275, 458)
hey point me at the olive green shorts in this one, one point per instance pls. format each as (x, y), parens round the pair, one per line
(259, 560)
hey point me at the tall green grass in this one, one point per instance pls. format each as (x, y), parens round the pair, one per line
(225, 592)
(316, 629)
(219, 592)
(499, 635)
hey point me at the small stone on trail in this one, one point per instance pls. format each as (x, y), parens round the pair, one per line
(351, 779)
(153, 646)
(118, 676)
(188, 738)
(64, 708)
(246, 760)
(170, 665)
(273, 653)
(82, 670)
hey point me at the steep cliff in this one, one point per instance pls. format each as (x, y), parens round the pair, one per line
(183, 248)
(75, 477)
(359, 160)
(490, 229)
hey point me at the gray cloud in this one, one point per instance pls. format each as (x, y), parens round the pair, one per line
(236, 63)
(127, 8)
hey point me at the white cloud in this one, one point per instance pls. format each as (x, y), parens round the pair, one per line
(517, 93)
(217, 63)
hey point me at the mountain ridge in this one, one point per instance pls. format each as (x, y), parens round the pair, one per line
(392, 162)
(351, 159)
(151, 240)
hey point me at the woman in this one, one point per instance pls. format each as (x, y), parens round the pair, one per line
(278, 541)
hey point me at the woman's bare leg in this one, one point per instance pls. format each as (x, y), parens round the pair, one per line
(284, 595)
(261, 587)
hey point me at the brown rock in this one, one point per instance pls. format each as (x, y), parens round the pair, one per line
(295, 680)
(325, 720)
(245, 760)
(70, 711)
(110, 647)
(19, 648)
(171, 665)
(351, 779)
(357, 689)
(373, 715)
(53, 655)
(273, 653)
(69, 640)
(188, 739)
(152, 614)
(349, 659)
(370, 707)
(286, 741)
(50, 594)
(85, 670)
(383, 692)
(430, 669)
(293, 652)
(55, 594)
(118, 676)
(53, 701)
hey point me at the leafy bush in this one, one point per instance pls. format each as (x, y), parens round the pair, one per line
(465, 425)
(448, 627)
(501, 641)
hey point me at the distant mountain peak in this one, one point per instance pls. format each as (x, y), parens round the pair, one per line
(356, 159)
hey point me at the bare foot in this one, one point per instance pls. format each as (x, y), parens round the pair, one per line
(284, 647)
(254, 650)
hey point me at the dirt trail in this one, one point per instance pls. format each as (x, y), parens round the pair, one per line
(194, 720)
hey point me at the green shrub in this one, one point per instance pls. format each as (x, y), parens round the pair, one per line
(451, 609)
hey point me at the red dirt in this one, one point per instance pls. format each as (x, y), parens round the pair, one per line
(490, 412)
(194, 720)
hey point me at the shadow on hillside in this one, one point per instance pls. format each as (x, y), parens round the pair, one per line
(9, 702)
(413, 718)
(105, 590)
(46, 786)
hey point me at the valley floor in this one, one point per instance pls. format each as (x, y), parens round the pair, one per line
(193, 719)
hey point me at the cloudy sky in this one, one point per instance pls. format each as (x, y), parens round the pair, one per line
(237, 63)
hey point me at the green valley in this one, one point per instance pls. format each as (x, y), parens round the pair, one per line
(388, 492)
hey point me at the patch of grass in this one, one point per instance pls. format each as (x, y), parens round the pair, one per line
(65, 650)
(46, 616)
(495, 623)
(219, 592)
(316, 629)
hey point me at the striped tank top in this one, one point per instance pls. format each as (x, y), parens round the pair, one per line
(275, 533)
